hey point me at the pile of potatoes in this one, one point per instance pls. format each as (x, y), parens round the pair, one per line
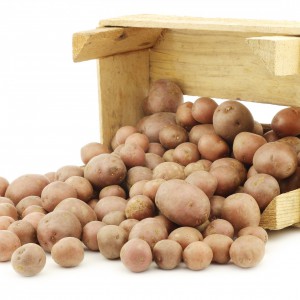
(187, 184)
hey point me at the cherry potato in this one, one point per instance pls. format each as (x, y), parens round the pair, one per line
(91, 150)
(185, 236)
(9, 242)
(203, 110)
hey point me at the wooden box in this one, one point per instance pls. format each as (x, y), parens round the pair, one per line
(220, 58)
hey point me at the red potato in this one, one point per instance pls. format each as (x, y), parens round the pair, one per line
(203, 110)
(3, 186)
(33, 208)
(185, 236)
(24, 230)
(123, 133)
(151, 186)
(186, 153)
(128, 224)
(89, 234)
(199, 130)
(173, 135)
(114, 218)
(200, 165)
(112, 190)
(138, 139)
(136, 174)
(271, 136)
(63, 173)
(108, 204)
(256, 231)
(91, 150)
(219, 226)
(139, 207)
(82, 186)
(258, 128)
(34, 218)
(156, 148)
(132, 155)
(184, 116)
(152, 160)
(137, 188)
(168, 170)
(5, 221)
(170, 226)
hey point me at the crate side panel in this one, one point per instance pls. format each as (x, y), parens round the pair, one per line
(221, 65)
(123, 84)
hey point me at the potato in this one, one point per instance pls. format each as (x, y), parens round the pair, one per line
(156, 148)
(203, 226)
(170, 226)
(256, 231)
(293, 141)
(3, 186)
(220, 245)
(9, 242)
(168, 155)
(172, 135)
(26, 185)
(89, 234)
(108, 204)
(56, 225)
(290, 183)
(50, 176)
(276, 159)
(63, 173)
(82, 186)
(80, 209)
(6, 200)
(7, 209)
(152, 125)
(182, 203)
(204, 181)
(271, 136)
(31, 209)
(91, 150)
(199, 130)
(139, 207)
(24, 230)
(247, 251)
(263, 188)
(128, 224)
(136, 174)
(118, 149)
(216, 205)
(212, 147)
(258, 128)
(138, 139)
(132, 155)
(111, 239)
(34, 218)
(152, 160)
(92, 203)
(287, 122)
(29, 260)
(136, 255)
(68, 252)
(151, 186)
(164, 96)
(28, 201)
(219, 226)
(5, 221)
(111, 168)
(123, 133)
(137, 188)
(200, 165)
(185, 236)
(186, 153)
(184, 116)
(56, 192)
(168, 170)
(241, 210)
(245, 145)
(167, 254)
(150, 229)
(203, 110)
(112, 190)
(251, 172)
(197, 256)
(114, 218)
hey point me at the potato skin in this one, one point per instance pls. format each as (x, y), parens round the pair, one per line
(123, 133)
(185, 236)
(34, 218)
(182, 203)
(186, 153)
(200, 165)
(89, 234)
(132, 155)
(136, 174)
(219, 226)
(199, 130)
(9, 242)
(112, 190)
(128, 224)
(156, 148)
(82, 186)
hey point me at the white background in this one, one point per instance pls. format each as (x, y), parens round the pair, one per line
(48, 110)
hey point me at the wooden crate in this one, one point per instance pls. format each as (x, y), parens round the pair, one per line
(220, 58)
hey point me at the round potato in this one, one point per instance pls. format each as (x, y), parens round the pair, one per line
(89, 234)
(219, 226)
(152, 160)
(112, 190)
(108, 204)
(128, 224)
(139, 207)
(184, 116)
(82, 186)
(7, 209)
(173, 135)
(156, 148)
(200, 165)
(137, 188)
(9, 242)
(91, 150)
(138, 139)
(24, 230)
(199, 130)
(3, 186)
(136, 174)
(33, 208)
(34, 218)
(132, 155)
(63, 173)
(168, 155)
(123, 133)
(203, 110)
(168, 170)
(256, 231)
(216, 205)
(5, 222)
(28, 201)
(114, 218)
(185, 236)
(186, 153)
(151, 186)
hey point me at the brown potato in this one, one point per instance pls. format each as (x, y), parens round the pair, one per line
(5, 222)
(138, 139)
(82, 186)
(216, 205)
(199, 130)
(136, 174)
(10, 210)
(241, 210)
(156, 148)
(139, 207)
(170, 226)
(28, 201)
(9, 242)
(184, 116)
(151, 186)
(186, 153)
(128, 224)
(168, 170)
(31, 209)
(132, 155)
(247, 251)
(185, 236)
(3, 186)
(271, 136)
(89, 234)
(200, 165)
(168, 155)
(152, 160)
(26, 185)
(108, 204)
(114, 218)
(251, 172)
(256, 231)
(123, 133)
(63, 173)
(112, 190)
(137, 188)
(92, 203)
(173, 135)
(34, 218)
(50, 176)
(258, 128)
(290, 183)
(292, 141)
(6, 200)
(91, 150)
(219, 226)
(203, 110)
(24, 230)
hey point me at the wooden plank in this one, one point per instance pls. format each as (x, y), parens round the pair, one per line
(220, 65)
(103, 42)
(280, 54)
(214, 24)
(123, 84)
(283, 211)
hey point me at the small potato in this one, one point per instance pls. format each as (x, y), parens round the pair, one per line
(56, 192)
(114, 218)
(111, 239)
(68, 252)
(185, 236)
(34, 218)
(128, 224)
(111, 168)
(6, 200)
(200, 165)
(91, 150)
(136, 174)
(251, 172)
(271, 136)
(139, 207)
(290, 183)
(197, 256)
(241, 210)
(123, 133)
(151, 186)
(138, 139)
(29, 260)
(263, 188)
(118, 149)
(5, 221)
(137, 188)
(156, 148)
(80, 209)
(9, 242)
(204, 181)
(136, 255)
(212, 147)
(184, 116)
(63, 173)
(220, 245)
(132, 155)
(112, 190)
(28, 201)
(108, 204)
(89, 234)
(24, 230)
(3, 186)
(293, 141)
(50, 176)
(247, 251)
(33, 208)
(56, 225)
(150, 229)
(9, 210)
(216, 205)
(92, 203)
(170, 226)
(173, 135)
(26, 185)
(199, 130)
(256, 231)
(152, 160)
(276, 159)
(258, 128)
(168, 170)
(167, 254)
(82, 186)
(219, 226)
(186, 153)
(203, 110)
(168, 155)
